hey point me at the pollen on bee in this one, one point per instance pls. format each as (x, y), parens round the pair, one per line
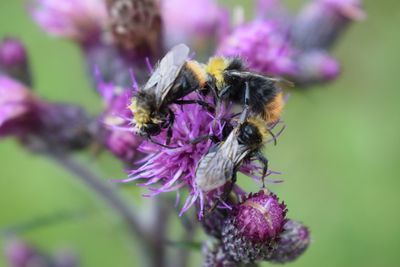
(215, 67)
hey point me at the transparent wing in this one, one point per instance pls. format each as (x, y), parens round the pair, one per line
(167, 71)
(217, 167)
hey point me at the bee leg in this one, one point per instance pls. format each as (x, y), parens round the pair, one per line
(224, 91)
(199, 102)
(201, 138)
(246, 106)
(264, 161)
(170, 125)
(225, 195)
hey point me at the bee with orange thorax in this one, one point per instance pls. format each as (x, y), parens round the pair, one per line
(174, 77)
(233, 82)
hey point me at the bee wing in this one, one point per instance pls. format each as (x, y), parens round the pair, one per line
(278, 80)
(167, 71)
(217, 167)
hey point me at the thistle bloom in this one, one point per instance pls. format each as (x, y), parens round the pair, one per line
(249, 232)
(21, 254)
(292, 243)
(324, 20)
(264, 44)
(192, 21)
(17, 107)
(315, 67)
(123, 144)
(78, 20)
(175, 168)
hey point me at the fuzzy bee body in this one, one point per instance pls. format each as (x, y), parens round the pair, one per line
(229, 78)
(174, 77)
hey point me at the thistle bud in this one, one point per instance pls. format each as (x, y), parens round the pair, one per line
(136, 25)
(14, 60)
(324, 21)
(315, 67)
(214, 255)
(292, 243)
(249, 233)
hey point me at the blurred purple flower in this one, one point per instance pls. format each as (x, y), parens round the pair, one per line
(195, 22)
(122, 143)
(264, 44)
(320, 23)
(17, 106)
(315, 67)
(78, 20)
(21, 254)
(14, 60)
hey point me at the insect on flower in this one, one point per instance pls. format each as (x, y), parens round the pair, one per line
(175, 77)
(221, 163)
(233, 82)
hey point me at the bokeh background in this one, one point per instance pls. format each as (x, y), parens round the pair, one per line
(339, 155)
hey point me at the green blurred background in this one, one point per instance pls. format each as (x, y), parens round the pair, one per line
(339, 154)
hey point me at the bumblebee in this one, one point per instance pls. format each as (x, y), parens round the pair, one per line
(174, 77)
(220, 164)
(231, 81)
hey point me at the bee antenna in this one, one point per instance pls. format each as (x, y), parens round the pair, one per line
(273, 136)
(157, 143)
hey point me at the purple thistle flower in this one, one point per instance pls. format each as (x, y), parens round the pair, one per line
(78, 20)
(21, 254)
(14, 60)
(175, 168)
(315, 67)
(249, 232)
(265, 46)
(321, 22)
(122, 143)
(17, 107)
(292, 243)
(193, 21)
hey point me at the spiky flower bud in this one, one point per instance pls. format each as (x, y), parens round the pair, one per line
(136, 25)
(315, 67)
(324, 20)
(248, 234)
(13, 60)
(292, 243)
(215, 256)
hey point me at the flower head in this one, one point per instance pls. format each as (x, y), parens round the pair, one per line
(315, 67)
(78, 20)
(122, 143)
(136, 25)
(14, 60)
(17, 107)
(175, 168)
(263, 44)
(192, 21)
(325, 21)
(21, 254)
(292, 243)
(249, 232)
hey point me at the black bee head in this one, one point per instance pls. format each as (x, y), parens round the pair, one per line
(151, 129)
(249, 135)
